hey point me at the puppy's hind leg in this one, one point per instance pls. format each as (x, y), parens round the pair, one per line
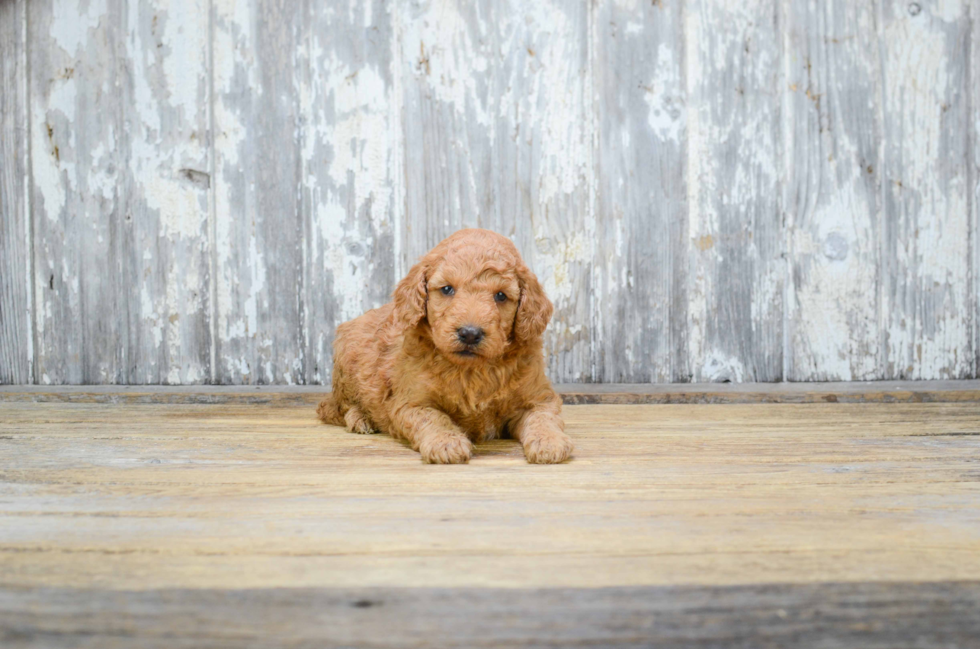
(357, 422)
(329, 410)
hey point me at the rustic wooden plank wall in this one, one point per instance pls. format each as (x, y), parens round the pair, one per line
(973, 135)
(119, 157)
(258, 169)
(734, 73)
(833, 191)
(16, 309)
(641, 287)
(498, 134)
(925, 256)
(711, 190)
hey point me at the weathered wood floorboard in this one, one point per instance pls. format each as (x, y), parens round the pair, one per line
(739, 525)
(865, 615)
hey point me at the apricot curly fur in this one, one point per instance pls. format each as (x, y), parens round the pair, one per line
(403, 370)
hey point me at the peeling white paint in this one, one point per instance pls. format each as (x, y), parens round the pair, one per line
(702, 219)
(666, 116)
(442, 50)
(362, 115)
(48, 178)
(947, 10)
(555, 259)
(839, 286)
(719, 368)
(72, 21)
(927, 198)
(185, 44)
(514, 85)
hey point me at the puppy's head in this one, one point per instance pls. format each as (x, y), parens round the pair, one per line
(475, 297)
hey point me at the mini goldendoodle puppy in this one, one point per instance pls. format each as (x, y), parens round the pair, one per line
(456, 357)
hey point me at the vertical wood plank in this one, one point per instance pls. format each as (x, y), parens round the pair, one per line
(925, 263)
(258, 216)
(16, 343)
(974, 142)
(833, 204)
(119, 100)
(498, 134)
(642, 209)
(737, 271)
(349, 117)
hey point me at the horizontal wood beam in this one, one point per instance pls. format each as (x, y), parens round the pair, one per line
(573, 394)
(833, 615)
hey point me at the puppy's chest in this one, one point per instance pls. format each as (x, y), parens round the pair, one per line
(481, 420)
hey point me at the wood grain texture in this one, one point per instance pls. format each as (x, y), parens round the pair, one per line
(572, 393)
(834, 215)
(974, 195)
(119, 99)
(245, 496)
(642, 197)
(497, 121)
(925, 252)
(304, 232)
(259, 221)
(350, 164)
(868, 615)
(16, 327)
(737, 271)
(710, 190)
(730, 526)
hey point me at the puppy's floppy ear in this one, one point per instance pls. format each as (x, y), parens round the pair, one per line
(411, 294)
(534, 309)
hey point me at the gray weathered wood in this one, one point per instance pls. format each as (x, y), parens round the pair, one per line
(973, 63)
(737, 271)
(833, 203)
(925, 240)
(303, 232)
(119, 99)
(710, 190)
(258, 220)
(642, 200)
(16, 329)
(572, 393)
(497, 121)
(818, 525)
(350, 164)
(868, 615)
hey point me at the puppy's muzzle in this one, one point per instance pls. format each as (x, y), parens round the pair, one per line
(470, 335)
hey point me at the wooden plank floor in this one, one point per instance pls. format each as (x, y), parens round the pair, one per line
(232, 525)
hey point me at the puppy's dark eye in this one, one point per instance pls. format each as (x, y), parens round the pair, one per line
(500, 296)
(447, 290)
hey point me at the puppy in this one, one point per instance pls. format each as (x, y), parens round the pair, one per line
(455, 358)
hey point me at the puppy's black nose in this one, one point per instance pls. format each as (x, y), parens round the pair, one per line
(469, 335)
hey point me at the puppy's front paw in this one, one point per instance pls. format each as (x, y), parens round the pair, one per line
(446, 449)
(550, 447)
(357, 422)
